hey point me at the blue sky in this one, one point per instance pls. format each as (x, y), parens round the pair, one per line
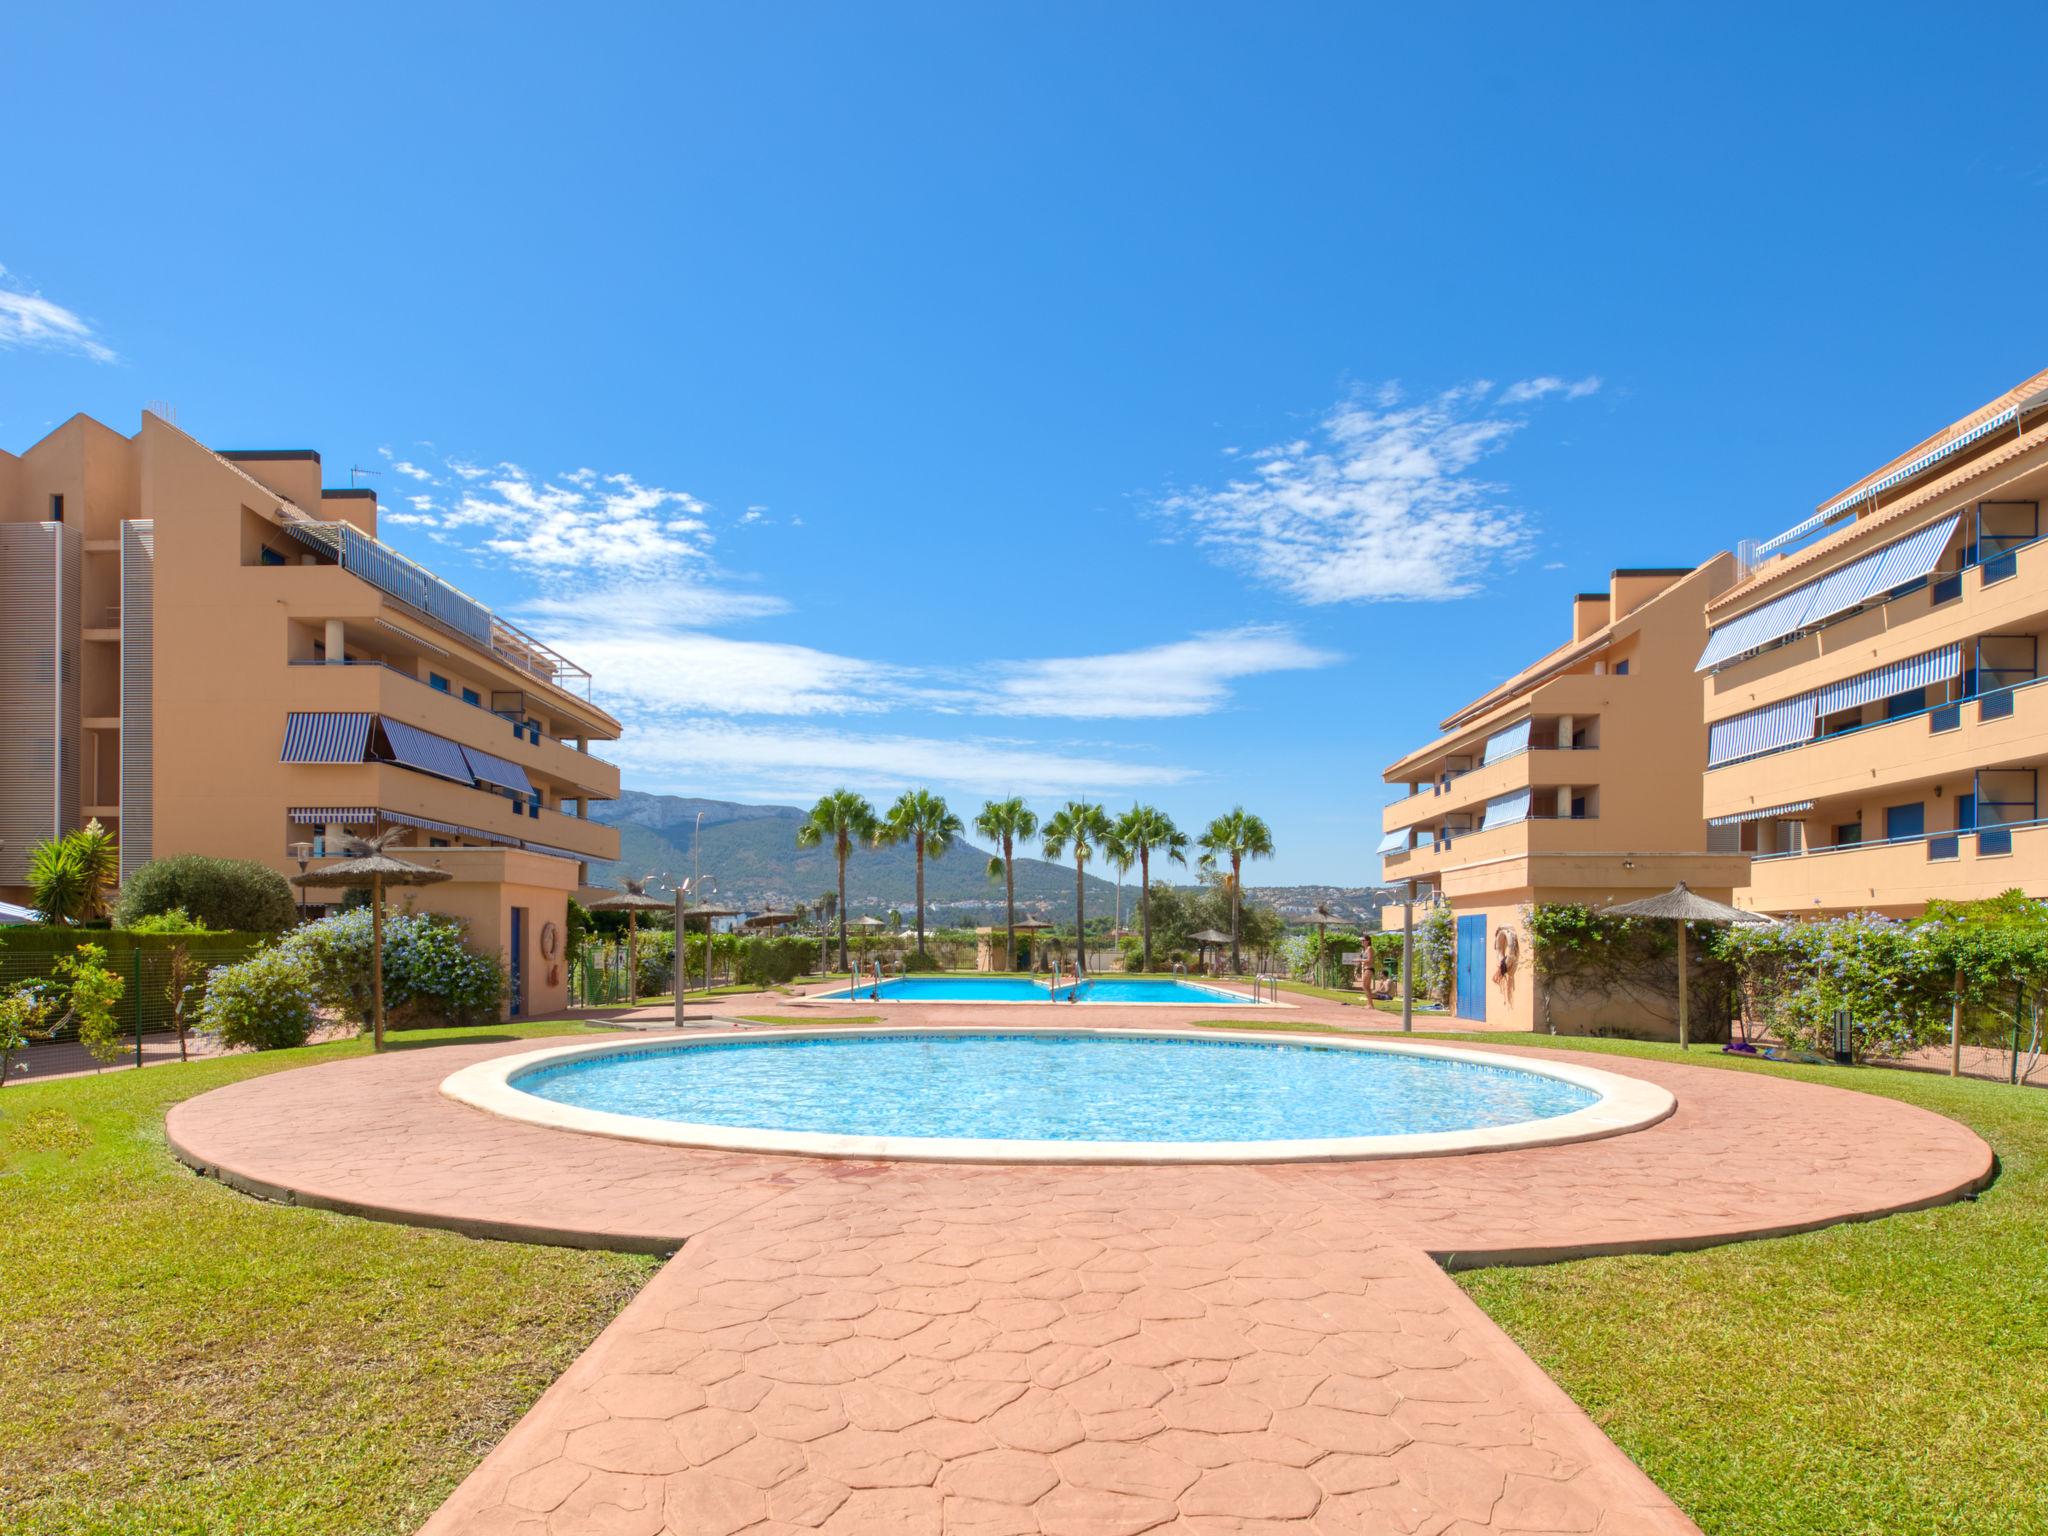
(1184, 402)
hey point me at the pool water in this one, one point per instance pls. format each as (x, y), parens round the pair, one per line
(1054, 1087)
(1021, 989)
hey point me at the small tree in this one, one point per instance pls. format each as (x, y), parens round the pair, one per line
(179, 990)
(92, 993)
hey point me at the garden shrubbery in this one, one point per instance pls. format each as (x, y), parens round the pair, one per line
(216, 894)
(431, 976)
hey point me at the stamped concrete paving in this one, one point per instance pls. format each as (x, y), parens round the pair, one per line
(898, 1348)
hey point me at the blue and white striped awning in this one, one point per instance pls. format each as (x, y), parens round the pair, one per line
(333, 816)
(1793, 720)
(1921, 671)
(1505, 810)
(1393, 842)
(1892, 565)
(314, 737)
(1926, 460)
(560, 853)
(1766, 814)
(1506, 743)
(1760, 730)
(451, 828)
(492, 769)
(425, 751)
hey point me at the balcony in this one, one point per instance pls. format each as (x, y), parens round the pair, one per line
(1468, 792)
(389, 788)
(1902, 875)
(1948, 741)
(376, 688)
(481, 866)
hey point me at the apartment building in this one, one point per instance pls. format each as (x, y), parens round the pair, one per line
(212, 653)
(1570, 782)
(1876, 735)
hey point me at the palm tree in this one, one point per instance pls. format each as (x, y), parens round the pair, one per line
(1141, 831)
(841, 818)
(1236, 836)
(1082, 827)
(928, 824)
(1006, 823)
(58, 881)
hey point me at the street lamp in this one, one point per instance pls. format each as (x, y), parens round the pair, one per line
(302, 855)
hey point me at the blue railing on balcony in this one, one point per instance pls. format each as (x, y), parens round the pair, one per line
(525, 730)
(1992, 842)
(1992, 704)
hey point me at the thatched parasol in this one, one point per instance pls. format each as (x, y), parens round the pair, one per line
(632, 901)
(1208, 938)
(1324, 919)
(1682, 905)
(372, 868)
(772, 920)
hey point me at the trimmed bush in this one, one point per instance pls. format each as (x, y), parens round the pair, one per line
(217, 894)
(264, 1002)
(771, 962)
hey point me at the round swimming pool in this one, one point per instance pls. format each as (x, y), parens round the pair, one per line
(1058, 1095)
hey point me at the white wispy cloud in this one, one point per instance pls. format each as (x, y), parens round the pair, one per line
(30, 321)
(1549, 384)
(1182, 677)
(712, 755)
(1381, 502)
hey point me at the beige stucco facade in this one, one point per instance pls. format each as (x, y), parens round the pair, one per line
(1889, 751)
(211, 653)
(1571, 782)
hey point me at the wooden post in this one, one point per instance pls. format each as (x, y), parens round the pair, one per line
(376, 962)
(1684, 1041)
(1955, 1028)
(632, 957)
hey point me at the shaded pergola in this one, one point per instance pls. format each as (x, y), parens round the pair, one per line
(632, 901)
(1682, 905)
(1208, 939)
(371, 869)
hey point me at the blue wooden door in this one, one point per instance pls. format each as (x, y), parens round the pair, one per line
(1471, 968)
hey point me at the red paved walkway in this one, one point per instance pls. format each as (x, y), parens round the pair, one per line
(899, 1348)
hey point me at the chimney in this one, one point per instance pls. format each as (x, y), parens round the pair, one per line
(1589, 612)
(1634, 586)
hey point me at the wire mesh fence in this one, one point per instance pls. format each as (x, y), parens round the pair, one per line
(153, 983)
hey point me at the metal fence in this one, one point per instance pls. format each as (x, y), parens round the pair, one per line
(146, 1005)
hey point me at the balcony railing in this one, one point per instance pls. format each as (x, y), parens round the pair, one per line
(519, 727)
(1992, 842)
(1992, 704)
(446, 605)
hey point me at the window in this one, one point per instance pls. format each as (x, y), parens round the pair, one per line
(1848, 834)
(1903, 821)
(471, 696)
(1911, 702)
(56, 509)
(1621, 669)
(437, 842)
(436, 681)
(1579, 808)
(268, 556)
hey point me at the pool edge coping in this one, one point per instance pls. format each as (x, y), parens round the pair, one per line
(1625, 1104)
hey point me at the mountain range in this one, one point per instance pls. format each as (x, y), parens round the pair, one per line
(750, 860)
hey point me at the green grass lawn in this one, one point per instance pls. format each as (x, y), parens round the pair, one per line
(1885, 1378)
(177, 1358)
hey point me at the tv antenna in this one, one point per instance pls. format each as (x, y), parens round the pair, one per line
(357, 469)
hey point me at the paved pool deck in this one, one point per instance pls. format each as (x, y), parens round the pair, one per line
(899, 1348)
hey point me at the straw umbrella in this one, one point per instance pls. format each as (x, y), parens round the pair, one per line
(373, 868)
(708, 914)
(1324, 919)
(1682, 905)
(632, 901)
(1206, 938)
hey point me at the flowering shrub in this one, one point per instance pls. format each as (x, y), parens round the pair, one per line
(265, 1001)
(25, 1010)
(429, 969)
